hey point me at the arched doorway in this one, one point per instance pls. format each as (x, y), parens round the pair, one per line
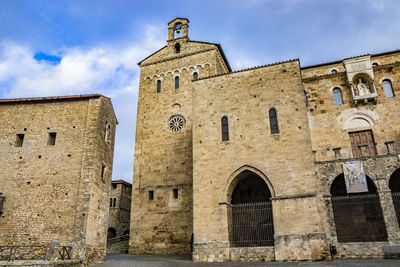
(251, 212)
(111, 233)
(394, 185)
(358, 216)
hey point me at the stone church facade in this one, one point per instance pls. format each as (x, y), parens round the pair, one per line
(248, 165)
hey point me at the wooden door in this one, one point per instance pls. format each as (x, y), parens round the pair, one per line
(362, 140)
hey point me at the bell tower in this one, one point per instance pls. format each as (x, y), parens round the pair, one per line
(178, 28)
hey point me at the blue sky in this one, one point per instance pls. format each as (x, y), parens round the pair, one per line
(92, 46)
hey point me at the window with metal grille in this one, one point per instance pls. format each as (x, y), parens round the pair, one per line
(387, 87)
(176, 82)
(224, 129)
(273, 121)
(362, 143)
(337, 96)
(159, 86)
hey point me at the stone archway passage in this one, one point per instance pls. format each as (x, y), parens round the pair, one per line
(394, 185)
(358, 217)
(251, 212)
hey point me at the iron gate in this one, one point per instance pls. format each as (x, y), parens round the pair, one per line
(252, 224)
(359, 218)
(396, 203)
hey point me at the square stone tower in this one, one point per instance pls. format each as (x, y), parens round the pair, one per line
(56, 158)
(161, 217)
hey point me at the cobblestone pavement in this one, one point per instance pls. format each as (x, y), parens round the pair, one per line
(122, 260)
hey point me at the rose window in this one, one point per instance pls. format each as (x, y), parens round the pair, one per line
(176, 123)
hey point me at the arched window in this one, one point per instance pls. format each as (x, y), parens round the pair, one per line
(224, 129)
(195, 76)
(358, 216)
(337, 96)
(176, 82)
(177, 48)
(273, 121)
(334, 71)
(114, 202)
(387, 87)
(159, 86)
(374, 64)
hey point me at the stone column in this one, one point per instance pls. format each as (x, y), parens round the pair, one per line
(389, 213)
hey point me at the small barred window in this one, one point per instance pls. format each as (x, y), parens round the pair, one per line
(176, 123)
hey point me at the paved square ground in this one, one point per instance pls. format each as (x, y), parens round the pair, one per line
(122, 260)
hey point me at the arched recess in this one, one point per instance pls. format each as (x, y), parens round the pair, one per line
(111, 233)
(394, 185)
(358, 216)
(250, 220)
(234, 179)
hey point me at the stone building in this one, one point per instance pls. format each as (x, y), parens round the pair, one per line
(120, 208)
(248, 165)
(56, 164)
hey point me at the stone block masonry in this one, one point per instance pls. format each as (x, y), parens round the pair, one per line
(56, 155)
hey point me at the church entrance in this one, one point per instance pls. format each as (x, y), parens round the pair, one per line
(358, 216)
(251, 212)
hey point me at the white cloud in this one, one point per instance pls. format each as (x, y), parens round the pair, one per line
(108, 70)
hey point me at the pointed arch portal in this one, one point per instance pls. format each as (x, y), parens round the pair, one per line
(251, 212)
(394, 185)
(358, 216)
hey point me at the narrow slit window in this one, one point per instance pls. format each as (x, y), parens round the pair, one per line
(195, 76)
(177, 48)
(305, 97)
(151, 194)
(103, 170)
(52, 139)
(114, 202)
(19, 140)
(224, 129)
(159, 86)
(388, 88)
(176, 82)
(175, 191)
(273, 121)
(111, 201)
(337, 96)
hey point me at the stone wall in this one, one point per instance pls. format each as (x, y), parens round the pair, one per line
(163, 159)
(55, 192)
(119, 216)
(284, 160)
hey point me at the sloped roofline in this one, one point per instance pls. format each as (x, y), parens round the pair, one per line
(341, 60)
(53, 99)
(50, 98)
(217, 45)
(121, 182)
(178, 18)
